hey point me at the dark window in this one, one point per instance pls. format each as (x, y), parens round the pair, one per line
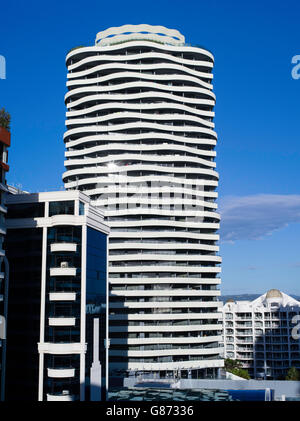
(61, 208)
(24, 252)
(63, 334)
(64, 234)
(26, 210)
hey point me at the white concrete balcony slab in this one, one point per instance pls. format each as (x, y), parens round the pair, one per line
(63, 271)
(62, 321)
(63, 247)
(162, 328)
(165, 292)
(60, 398)
(59, 373)
(62, 348)
(166, 352)
(197, 364)
(62, 296)
(168, 304)
(156, 315)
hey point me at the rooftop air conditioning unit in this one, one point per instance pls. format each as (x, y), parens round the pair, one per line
(64, 264)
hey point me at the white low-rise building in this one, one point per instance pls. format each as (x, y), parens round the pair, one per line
(262, 334)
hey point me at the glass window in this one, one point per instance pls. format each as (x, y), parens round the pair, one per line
(61, 208)
(26, 210)
(63, 334)
(24, 252)
(65, 234)
(95, 295)
(81, 208)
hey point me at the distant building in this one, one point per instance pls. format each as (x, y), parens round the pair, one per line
(4, 268)
(258, 333)
(56, 245)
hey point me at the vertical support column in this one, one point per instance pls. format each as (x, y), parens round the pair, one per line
(289, 337)
(253, 344)
(107, 341)
(4, 321)
(96, 371)
(43, 309)
(76, 208)
(46, 209)
(264, 345)
(83, 309)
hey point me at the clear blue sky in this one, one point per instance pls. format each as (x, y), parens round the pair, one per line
(257, 113)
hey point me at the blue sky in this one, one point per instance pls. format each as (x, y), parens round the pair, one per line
(257, 113)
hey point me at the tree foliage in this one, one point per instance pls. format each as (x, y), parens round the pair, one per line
(4, 119)
(235, 367)
(293, 374)
(231, 364)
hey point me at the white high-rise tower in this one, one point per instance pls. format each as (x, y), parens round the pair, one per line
(140, 142)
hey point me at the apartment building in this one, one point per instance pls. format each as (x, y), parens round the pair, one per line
(262, 334)
(140, 141)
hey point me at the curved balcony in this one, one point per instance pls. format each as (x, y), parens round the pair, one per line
(182, 365)
(167, 352)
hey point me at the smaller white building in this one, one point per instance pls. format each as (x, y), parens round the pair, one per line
(56, 245)
(262, 334)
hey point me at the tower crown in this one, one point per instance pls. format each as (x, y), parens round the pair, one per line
(136, 32)
(273, 293)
